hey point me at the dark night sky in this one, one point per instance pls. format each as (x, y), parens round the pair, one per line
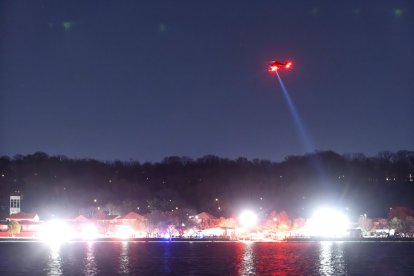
(148, 79)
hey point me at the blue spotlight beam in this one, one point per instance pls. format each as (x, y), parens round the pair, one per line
(306, 140)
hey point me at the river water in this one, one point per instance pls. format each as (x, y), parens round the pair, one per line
(207, 258)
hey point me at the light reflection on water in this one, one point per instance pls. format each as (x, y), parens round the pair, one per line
(207, 258)
(89, 260)
(249, 258)
(54, 265)
(247, 265)
(331, 258)
(124, 266)
(167, 258)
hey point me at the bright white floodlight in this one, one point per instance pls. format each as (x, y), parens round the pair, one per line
(89, 232)
(124, 232)
(55, 231)
(248, 219)
(329, 223)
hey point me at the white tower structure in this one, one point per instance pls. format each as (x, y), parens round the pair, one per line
(14, 204)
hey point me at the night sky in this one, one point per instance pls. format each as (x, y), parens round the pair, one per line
(144, 80)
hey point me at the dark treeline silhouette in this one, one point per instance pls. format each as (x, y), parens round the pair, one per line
(60, 185)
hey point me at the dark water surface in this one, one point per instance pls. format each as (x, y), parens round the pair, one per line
(207, 258)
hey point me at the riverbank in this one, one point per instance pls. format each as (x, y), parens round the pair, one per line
(32, 239)
(320, 239)
(215, 239)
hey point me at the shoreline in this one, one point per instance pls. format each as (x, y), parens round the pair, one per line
(392, 239)
(288, 240)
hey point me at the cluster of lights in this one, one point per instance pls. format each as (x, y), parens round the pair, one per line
(324, 223)
(217, 201)
(277, 65)
(57, 231)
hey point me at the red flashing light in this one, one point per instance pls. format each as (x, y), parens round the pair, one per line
(288, 65)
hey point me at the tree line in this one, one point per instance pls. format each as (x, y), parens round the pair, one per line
(55, 185)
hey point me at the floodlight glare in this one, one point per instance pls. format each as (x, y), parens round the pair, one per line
(89, 232)
(329, 223)
(124, 232)
(56, 231)
(248, 219)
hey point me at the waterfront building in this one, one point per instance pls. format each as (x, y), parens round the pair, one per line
(14, 204)
(205, 220)
(22, 216)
